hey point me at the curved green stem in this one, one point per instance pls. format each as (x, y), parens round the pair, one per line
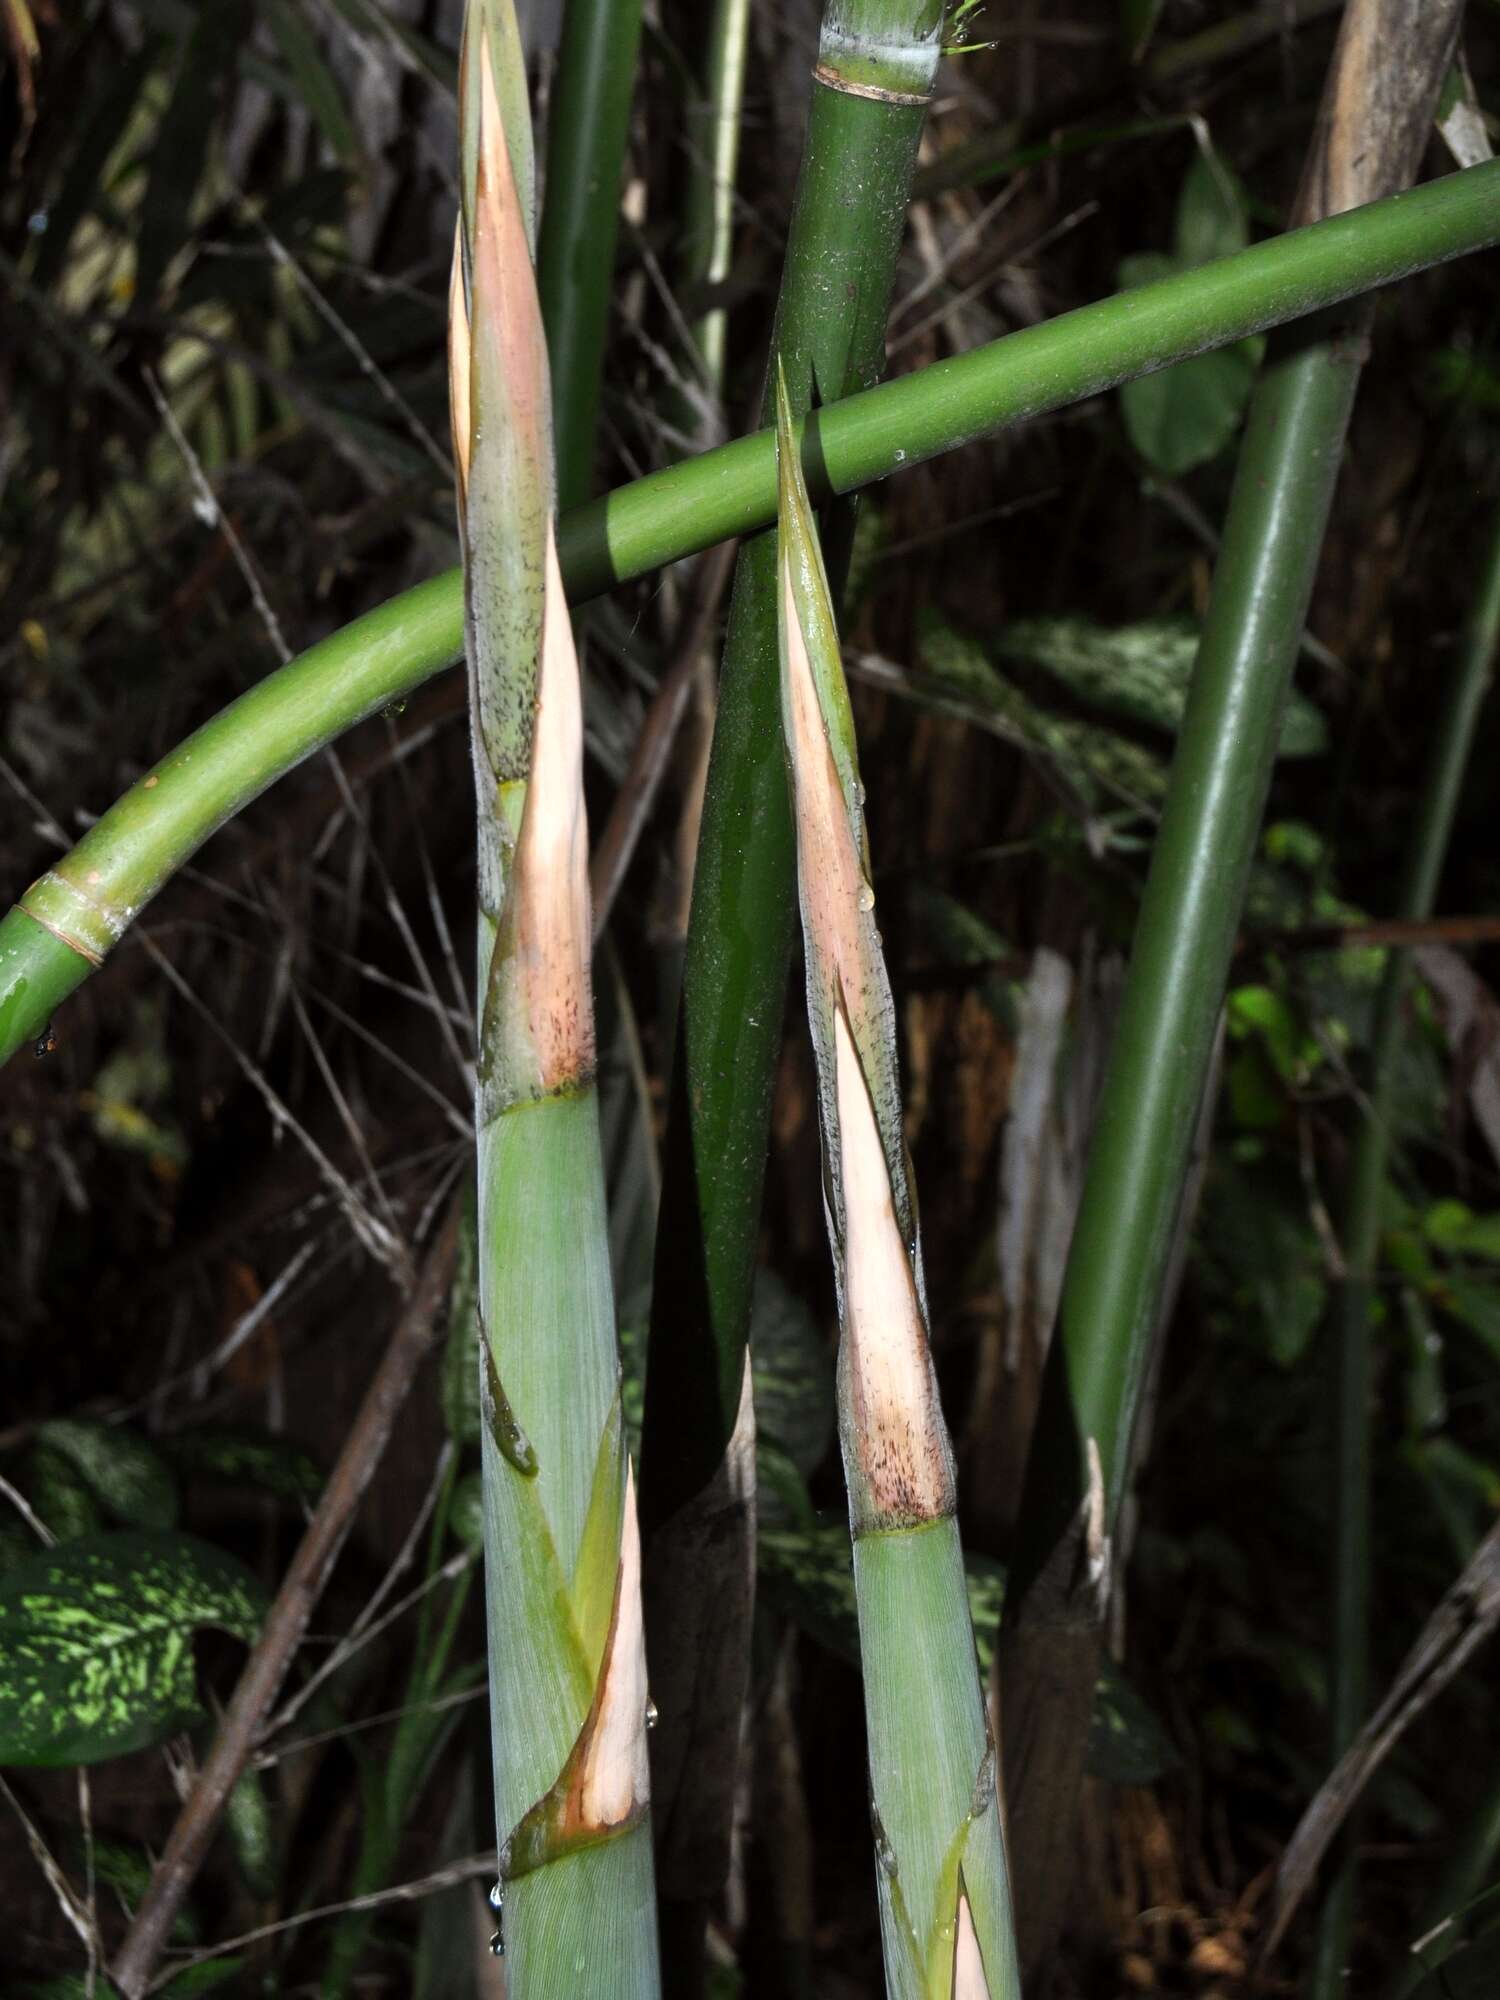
(136, 846)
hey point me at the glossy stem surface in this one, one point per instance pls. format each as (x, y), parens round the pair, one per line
(1186, 929)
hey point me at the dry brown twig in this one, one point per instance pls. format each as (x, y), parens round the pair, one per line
(287, 1620)
(648, 761)
(1465, 1617)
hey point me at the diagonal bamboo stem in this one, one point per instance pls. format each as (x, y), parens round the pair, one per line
(140, 842)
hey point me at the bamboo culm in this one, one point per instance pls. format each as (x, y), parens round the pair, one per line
(940, 1865)
(566, 1647)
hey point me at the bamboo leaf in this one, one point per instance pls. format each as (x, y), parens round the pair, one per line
(316, 85)
(96, 1637)
(1137, 25)
(183, 139)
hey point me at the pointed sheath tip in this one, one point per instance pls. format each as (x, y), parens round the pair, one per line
(615, 1780)
(552, 931)
(458, 372)
(902, 1446)
(969, 1981)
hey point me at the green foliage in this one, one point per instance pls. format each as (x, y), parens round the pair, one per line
(207, 1977)
(1471, 1973)
(1182, 417)
(124, 1867)
(237, 1456)
(1137, 673)
(1138, 19)
(128, 1477)
(96, 1635)
(251, 1827)
(466, 1512)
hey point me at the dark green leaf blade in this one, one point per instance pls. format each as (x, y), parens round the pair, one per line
(96, 1654)
(128, 1477)
(245, 1457)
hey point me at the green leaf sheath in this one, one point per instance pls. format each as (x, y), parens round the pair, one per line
(562, 1573)
(940, 1860)
(588, 129)
(829, 340)
(932, 1765)
(69, 921)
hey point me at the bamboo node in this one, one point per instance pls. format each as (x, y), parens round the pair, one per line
(832, 79)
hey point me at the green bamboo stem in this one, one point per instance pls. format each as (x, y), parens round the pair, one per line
(941, 1875)
(1098, 1363)
(587, 133)
(829, 339)
(567, 1662)
(713, 136)
(1473, 673)
(1191, 908)
(378, 659)
(874, 70)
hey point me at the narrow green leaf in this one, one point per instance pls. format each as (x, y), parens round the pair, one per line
(124, 1867)
(1138, 20)
(316, 85)
(96, 1654)
(183, 139)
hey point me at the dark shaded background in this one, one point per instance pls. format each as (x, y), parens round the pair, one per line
(195, 198)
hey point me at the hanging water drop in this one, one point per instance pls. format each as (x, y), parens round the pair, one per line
(497, 1945)
(652, 1715)
(866, 898)
(497, 1898)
